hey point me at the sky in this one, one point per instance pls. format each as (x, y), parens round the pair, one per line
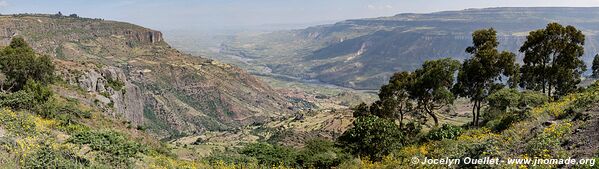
(229, 14)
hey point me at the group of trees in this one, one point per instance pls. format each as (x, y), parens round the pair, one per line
(552, 64)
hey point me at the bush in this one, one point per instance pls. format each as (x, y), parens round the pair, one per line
(271, 155)
(219, 156)
(446, 131)
(114, 148)
(20, 100)
(508, 103)
(65, 112)
(372, 137)
(321, 154)
(549, 139)
(40, 92)
(17, 123)
(115, 84)
(48, 157)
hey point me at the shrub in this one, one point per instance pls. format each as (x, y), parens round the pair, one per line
(372, 137)
(271, 155)
(446, 131)
(117, 85)
(40, 92)
(65, 112)
(509, 105)
(114, 147)
(549, 139)
(17, 123)
(20, 100)
(219, 156)
(48, 157)
(321, 154)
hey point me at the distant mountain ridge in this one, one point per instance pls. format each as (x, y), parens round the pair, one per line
(363, 53)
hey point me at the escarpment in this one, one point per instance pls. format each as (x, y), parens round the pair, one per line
(137, 76)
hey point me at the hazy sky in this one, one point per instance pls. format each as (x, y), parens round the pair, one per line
(214, 14)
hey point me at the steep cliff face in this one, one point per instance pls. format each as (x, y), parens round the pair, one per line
(113, 91)
(135, 75)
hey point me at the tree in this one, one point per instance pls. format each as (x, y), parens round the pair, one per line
(320, 153)
(596, 66)
(19, 63)
(270, 155)
(482, 74)
(361, 110)
(394, 99)
(552, 59)
(372, 137)
(431, 84)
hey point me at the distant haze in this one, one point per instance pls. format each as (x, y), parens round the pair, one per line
(264, 14)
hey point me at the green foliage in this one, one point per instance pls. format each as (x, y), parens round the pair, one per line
(529, 99)
(17, 123)
(117, 85)
(320, 153)
(315, 154)
(553, 59)
(361, 110)
(48, 157)
(549, 139)
(446, 131)
(271, 155)
(595, 66)
(40, 92)
(114, 147)
(64, 112)
(508, 106)
(431, 84)
(228, 157)
(394, 99)
(20, 63)
(479, 75)
(372, 137)
(510, 100)
(20, 100)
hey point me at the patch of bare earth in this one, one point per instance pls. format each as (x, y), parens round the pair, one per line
(584, 142)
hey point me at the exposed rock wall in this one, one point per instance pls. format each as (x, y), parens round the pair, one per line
(126, 102)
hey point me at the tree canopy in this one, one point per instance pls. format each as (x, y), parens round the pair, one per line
(19, 63)
(431, 85)
(372, 137)
(482, 74)
(394, 99)
(553, 59)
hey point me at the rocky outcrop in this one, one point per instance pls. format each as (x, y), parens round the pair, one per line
(113, 91)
